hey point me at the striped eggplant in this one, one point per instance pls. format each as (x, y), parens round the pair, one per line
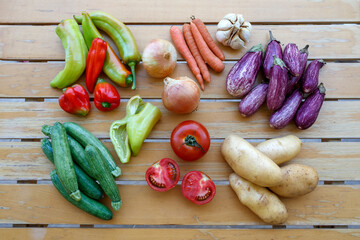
(291, 58)
(242, 75)
(253, 100)
(286, 113)
(273, 48)
(309, 110)
(310, 79)
(277, 85)
(293, 80)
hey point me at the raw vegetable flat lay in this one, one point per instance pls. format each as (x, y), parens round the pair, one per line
(197, 126)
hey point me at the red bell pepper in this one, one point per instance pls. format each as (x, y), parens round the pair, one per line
(94, 62)
(75, 100)
(106, 97)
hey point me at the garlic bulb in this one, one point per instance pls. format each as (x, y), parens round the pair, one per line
(233, 31)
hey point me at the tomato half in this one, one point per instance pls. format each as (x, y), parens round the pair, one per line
(198, 187)
(163, 175)
(190, 140)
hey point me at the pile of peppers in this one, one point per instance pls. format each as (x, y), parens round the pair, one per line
(124, 41)
(128, 134)
(76, 49)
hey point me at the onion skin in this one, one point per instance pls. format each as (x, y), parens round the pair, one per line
(277, 85)
(309, 110)
(293, 80)
(310, 79)
(286, 113)
(242, 75)
(273, 48)
(159, 58)
(251, 103)
(180, 95)
(291, 58)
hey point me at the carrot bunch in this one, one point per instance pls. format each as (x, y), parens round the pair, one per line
(198, 48)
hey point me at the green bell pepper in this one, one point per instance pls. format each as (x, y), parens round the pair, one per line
(129, 133)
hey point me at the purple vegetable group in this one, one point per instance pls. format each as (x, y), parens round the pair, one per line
(289, 80)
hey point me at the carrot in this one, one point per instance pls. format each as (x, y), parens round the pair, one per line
(209, 57)
(207, 37)
(195, 52)
(180, 44)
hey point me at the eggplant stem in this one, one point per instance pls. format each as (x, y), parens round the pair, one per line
(322, 88)
(305, 50)
(272, 38)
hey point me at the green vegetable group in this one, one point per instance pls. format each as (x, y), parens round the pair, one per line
(77, 183)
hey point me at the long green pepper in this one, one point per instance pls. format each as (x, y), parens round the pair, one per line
(75, 53)
(121, 35)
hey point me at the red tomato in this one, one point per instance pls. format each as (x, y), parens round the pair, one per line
(198, 187)
(190, 140)
(163, 175)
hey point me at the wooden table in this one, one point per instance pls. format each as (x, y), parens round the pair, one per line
(31, 55)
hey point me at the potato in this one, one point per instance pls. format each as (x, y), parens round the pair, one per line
(260, 200)
(297, 180)
(250, 163)
(282, 149)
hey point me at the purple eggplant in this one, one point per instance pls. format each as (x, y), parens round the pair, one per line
(253, 100)
(242, 75)
(310, 79)
(309, 110)
(273, 48)
(277, 85)
(291, 58)
(292, 81)
(286, 113)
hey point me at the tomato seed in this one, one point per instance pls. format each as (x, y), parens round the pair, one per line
(155, 183)
(202, 198)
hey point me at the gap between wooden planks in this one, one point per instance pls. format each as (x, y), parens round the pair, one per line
(42, 204)
(336, 120)
(160, 11)
(31, 80)
(177, 234)
(326, 41)
(334, 161)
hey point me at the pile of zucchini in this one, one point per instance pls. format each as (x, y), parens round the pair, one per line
(81, 162)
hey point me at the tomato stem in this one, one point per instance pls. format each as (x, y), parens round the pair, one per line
(191, 141)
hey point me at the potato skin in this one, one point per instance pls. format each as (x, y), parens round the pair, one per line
(250, 163)
(298, 180)
(281, 149)
(260, 200)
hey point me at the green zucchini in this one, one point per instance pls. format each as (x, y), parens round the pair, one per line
(84, 137)
(63, 161)
(86, 184)
(76, 149)
(87, 204)
(103, 175)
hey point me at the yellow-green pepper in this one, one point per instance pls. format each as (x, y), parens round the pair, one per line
(75, 53)
(129, 133)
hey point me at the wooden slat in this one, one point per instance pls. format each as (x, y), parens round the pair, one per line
(334, 161)
(19, 11)
(177, 234)
(336, 120)
(32, 80)
(326, 41)
(40, 204)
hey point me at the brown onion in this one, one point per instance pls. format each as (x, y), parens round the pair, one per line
(180, 95)
(159, 58)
